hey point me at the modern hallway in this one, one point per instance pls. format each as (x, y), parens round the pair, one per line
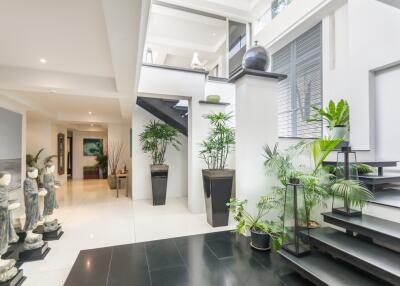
(92, 217)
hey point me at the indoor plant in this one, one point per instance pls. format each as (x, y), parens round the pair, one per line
(115, 151)
(353, 194)
(155, 139)
(336, 116)
(261, 231)
(102, 162)
(217, 180)
(315, 180)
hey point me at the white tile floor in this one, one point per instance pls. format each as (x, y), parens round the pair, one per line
(93, 217)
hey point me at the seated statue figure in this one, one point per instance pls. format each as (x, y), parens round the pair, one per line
(7, 269)
(50, 201)
(31, 195)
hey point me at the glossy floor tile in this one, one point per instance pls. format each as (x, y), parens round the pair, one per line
(183, 261)
(92, 217)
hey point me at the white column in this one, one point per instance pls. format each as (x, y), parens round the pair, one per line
(256, 126)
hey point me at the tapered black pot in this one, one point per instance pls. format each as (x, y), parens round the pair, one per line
(260, 240)
(159, 182)
(217, 186)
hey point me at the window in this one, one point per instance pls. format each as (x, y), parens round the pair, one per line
(277, 6)
(301, 60)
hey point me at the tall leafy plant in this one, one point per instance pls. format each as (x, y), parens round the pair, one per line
(334, 114)
(316, 180)
(155, 139)
(219, 144)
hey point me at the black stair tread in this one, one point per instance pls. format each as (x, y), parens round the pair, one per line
(388, 197)
(371, 254)
(324, 270)
(371, 223)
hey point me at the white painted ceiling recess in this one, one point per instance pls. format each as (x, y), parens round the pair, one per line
(72, 51)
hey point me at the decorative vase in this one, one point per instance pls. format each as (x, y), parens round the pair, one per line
(256, 58)
(159, 182)
(112, 182)
(260, 240)
(213, 98)
(339, 131)
(217, 185)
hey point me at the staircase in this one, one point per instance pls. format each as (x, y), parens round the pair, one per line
(353, 257)
(166, 110)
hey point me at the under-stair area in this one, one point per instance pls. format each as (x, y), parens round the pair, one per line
(172, 112)
(365, 253)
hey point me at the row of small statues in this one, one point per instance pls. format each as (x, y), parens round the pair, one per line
(32, 211)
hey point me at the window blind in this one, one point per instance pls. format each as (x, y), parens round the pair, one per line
(301, 60)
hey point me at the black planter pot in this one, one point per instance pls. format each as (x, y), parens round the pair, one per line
(159, 181)
(260, 240)
(217, 185)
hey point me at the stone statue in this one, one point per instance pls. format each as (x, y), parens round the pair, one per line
(50, 201)
(7, 233)
(31, 195)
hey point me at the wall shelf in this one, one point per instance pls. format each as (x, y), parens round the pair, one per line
(213, 103)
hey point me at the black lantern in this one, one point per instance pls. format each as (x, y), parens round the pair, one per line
(296, 239)
(346, 168)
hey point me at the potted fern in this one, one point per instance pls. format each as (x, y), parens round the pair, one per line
(155, 139)
(217, 180)
(336, 116)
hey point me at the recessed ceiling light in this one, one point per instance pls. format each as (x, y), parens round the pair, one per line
(43, 60)
(91, 124)
(90, 113)
(52, 90)
(214, 34)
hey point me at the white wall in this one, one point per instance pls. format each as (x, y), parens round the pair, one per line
(387, 102)
(42, 133)
(79, 161)
(190, 86)
(177, 161)
(15, 107)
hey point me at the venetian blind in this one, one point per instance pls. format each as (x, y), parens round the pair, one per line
(301, 60)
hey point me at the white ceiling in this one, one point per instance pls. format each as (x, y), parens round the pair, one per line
(70, 35)
(174, 36)
(93, 51)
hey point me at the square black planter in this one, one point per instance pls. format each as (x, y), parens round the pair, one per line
(217, 185)
(159, 182)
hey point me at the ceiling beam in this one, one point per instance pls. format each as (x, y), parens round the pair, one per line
(394, 3)
(126, 23)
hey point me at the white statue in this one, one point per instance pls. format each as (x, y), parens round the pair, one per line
(50, 201)
(7, 233)
(31, 195)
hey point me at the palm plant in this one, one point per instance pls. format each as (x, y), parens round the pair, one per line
(216, 148)
(334, 115)
(316, 181)
(352, 192)
(102, 162)
(155, 139)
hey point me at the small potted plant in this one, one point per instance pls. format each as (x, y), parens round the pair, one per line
(115, 151)
(155, 139)
(217, 180)
(263, 233)
(336, 116)
(102, 162)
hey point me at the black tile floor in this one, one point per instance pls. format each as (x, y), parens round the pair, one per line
(221, 258)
